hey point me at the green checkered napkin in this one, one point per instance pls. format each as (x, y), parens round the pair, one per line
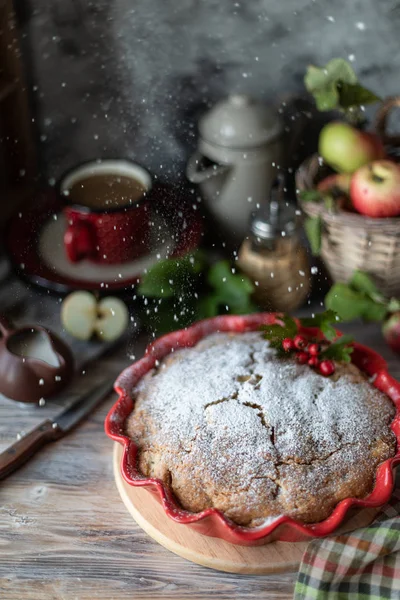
(361, 565)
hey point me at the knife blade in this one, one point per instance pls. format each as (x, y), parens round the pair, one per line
(51, 430)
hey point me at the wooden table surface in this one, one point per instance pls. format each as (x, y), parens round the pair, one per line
(65, 533)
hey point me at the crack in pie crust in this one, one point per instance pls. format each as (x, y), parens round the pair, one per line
(226, 424)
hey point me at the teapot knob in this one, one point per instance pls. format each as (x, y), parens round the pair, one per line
(240, 100)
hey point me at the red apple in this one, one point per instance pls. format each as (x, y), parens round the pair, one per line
(338, 187)
(338, 182)
(375, 189)
(391, 332)
(346, 148)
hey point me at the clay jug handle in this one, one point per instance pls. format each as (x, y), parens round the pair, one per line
(197, 173)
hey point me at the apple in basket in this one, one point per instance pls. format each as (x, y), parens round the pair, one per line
(375, 189)
(346, 149)
(391, 332)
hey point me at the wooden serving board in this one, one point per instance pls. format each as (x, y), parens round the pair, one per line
(276, 557)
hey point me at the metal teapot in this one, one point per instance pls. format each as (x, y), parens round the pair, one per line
(239, 148)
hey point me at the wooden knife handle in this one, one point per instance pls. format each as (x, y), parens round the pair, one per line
(15, 456)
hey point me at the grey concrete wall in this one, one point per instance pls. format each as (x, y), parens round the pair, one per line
(130, 77)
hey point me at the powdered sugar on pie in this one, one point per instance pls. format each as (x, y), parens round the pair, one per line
(228, 424)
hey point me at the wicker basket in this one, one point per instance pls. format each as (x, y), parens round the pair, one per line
(352, 241)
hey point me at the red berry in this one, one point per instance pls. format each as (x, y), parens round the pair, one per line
(288, 345)
(302, 358)
(313, 362)
(300, 342)
(313, 349)
(327, 367)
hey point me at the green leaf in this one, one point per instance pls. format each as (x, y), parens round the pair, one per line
(207, 307)
(335, 87)
(362, 282)
(343, 340)
(313, 229)
(287, 327)
(220, 276)
(277, 332)
(354, 94)
(339, 349)
(374, 311)
(347, 303)
(323, 321)
(352, 304)
(310, 196)
(169, 315)
(323, 82)
(232, 290)
(316, 196)
(393, 305)
(172, 277)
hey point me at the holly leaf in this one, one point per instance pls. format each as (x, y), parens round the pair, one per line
(313, 229)
(277, 332)
(339, 350)
(323, 321)
(171, 277)
(355, 95)
(323, 82)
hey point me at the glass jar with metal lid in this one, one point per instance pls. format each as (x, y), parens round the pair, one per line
(273, 255)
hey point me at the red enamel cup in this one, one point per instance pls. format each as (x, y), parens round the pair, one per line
(108, 234)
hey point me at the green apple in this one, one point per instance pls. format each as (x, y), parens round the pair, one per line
(346, 149)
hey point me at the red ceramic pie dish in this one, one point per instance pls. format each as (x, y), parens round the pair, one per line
(213, 522)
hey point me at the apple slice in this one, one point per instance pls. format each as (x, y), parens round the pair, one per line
(79, 314)
(112, 319)
(82, 316)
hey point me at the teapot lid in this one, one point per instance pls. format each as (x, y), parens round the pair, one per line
(240, 122)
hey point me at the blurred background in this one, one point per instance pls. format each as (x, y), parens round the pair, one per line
(117, 78)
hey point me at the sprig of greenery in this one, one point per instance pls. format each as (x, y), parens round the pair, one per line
(172, 276)
(339, 350)
(335, 87)
(277, 332)
(360, 298)
(178, 291)
(229, 292)
(323, 321)
(339, 347)
(313, 230)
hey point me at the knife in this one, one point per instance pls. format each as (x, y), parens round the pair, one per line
(51, 430)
